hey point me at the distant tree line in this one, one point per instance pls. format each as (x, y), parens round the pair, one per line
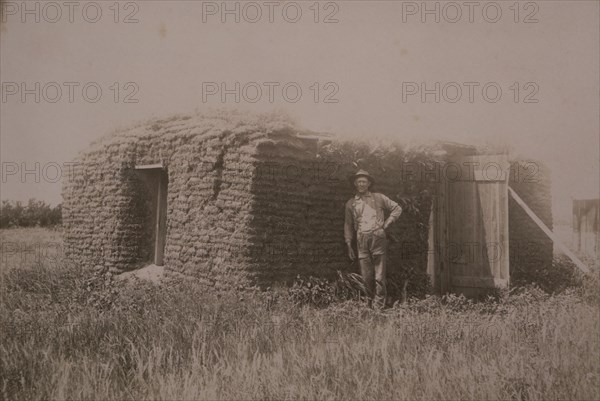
(34, 214)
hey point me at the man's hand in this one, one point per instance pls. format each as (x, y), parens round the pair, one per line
(386, 224)
(351, 253)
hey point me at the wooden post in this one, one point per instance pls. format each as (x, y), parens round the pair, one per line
(161, 218)
(442, 237)
(432, 257)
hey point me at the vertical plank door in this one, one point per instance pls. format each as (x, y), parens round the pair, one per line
(476, 249)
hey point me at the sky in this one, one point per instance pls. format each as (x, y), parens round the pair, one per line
(523, 74)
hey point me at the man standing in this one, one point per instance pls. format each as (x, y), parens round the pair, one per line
(365, 216)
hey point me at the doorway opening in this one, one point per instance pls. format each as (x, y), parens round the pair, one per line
(154, 198)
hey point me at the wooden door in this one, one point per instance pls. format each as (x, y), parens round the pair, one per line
(476, 248)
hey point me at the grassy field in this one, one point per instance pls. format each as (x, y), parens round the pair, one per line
(69, 334)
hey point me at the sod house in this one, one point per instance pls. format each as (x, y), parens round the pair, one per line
(244, 201)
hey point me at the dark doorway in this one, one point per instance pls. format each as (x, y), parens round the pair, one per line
(155, 180)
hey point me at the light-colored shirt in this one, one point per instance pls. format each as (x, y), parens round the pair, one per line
(365, 212)
(368, 216)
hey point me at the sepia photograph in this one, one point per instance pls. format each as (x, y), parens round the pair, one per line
(344, 200)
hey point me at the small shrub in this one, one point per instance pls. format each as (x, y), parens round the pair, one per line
(563, 274)
(312, 291)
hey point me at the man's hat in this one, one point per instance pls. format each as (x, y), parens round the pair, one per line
(362, 173)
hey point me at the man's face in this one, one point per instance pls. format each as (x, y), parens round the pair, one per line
(362, 184)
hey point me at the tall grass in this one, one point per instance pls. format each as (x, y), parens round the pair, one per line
(67, 334)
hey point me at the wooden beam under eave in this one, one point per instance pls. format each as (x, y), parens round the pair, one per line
(149, 166)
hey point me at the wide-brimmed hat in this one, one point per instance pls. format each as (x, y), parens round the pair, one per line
(362, 173)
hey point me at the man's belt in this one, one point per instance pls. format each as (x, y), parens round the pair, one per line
(391, 236)
(369, 231)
